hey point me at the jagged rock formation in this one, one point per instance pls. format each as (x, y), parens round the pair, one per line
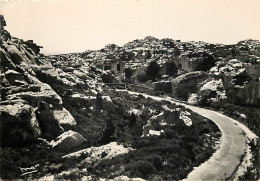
(211, 90)
(241, 85)
(169, 117)
(233, 81)
(189, 56)
(29, 108)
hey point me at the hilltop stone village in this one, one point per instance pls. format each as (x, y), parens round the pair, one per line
(225, 62)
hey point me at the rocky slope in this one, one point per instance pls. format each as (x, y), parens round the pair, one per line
(59, 121)
(187, 57)
(232, 82)
(26, 101)
(53, 106)
(30, 108)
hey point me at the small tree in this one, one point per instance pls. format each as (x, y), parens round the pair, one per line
(171, 69)
(98, 103)
(177, 52)
(152, 70)
(206, 64)
(148, 54)
(108, 131)
(128, 72)
(132, 120)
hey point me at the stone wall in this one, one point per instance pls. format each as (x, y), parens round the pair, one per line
(187, 83)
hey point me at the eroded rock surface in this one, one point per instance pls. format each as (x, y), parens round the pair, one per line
(67, 141)
(242, 86)
(29, 108)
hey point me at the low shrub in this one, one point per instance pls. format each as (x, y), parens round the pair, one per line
(140, 168)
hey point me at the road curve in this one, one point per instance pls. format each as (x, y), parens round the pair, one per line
(233, 144)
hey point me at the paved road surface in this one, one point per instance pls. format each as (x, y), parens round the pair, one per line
(232, 144)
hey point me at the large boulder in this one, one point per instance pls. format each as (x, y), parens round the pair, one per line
(212, 90)
(172, 116)
(100, 102)
(36, 95)
(15, 78)
(15, 54)
(154, 123)
(6, 60)
(18, 124)
(68, 141)
(64, 117)
(23, 88)
(187, 83)
(34, 98)
(33, 46)
(80, 74)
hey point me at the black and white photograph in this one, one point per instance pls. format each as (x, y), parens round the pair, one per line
(130, 90)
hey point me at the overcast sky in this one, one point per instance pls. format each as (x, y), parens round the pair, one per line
(79, 25)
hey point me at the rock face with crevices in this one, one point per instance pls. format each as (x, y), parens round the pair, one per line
(67, 141)
(156, 125)
(18, 123)
(29, 108)
(241, 81)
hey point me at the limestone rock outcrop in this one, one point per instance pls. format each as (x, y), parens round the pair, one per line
(18, 123)
(211, 90)
(242, 87)
(29, 108)
(91, 101)
(67, 141)
(156, 125)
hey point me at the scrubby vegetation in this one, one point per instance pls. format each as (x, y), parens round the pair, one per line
(171, 69)
(168, 157)
(171, 157)
(152, 71)
(252, 172)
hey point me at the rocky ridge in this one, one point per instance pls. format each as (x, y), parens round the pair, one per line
(29, 105)
(48, 97)
(188, 57)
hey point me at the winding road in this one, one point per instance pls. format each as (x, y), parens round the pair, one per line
(233, 145)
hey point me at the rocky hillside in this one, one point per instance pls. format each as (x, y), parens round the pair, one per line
(189, 54)
(236, 65)
(233, 81)
(30, 108)
(59, 121)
